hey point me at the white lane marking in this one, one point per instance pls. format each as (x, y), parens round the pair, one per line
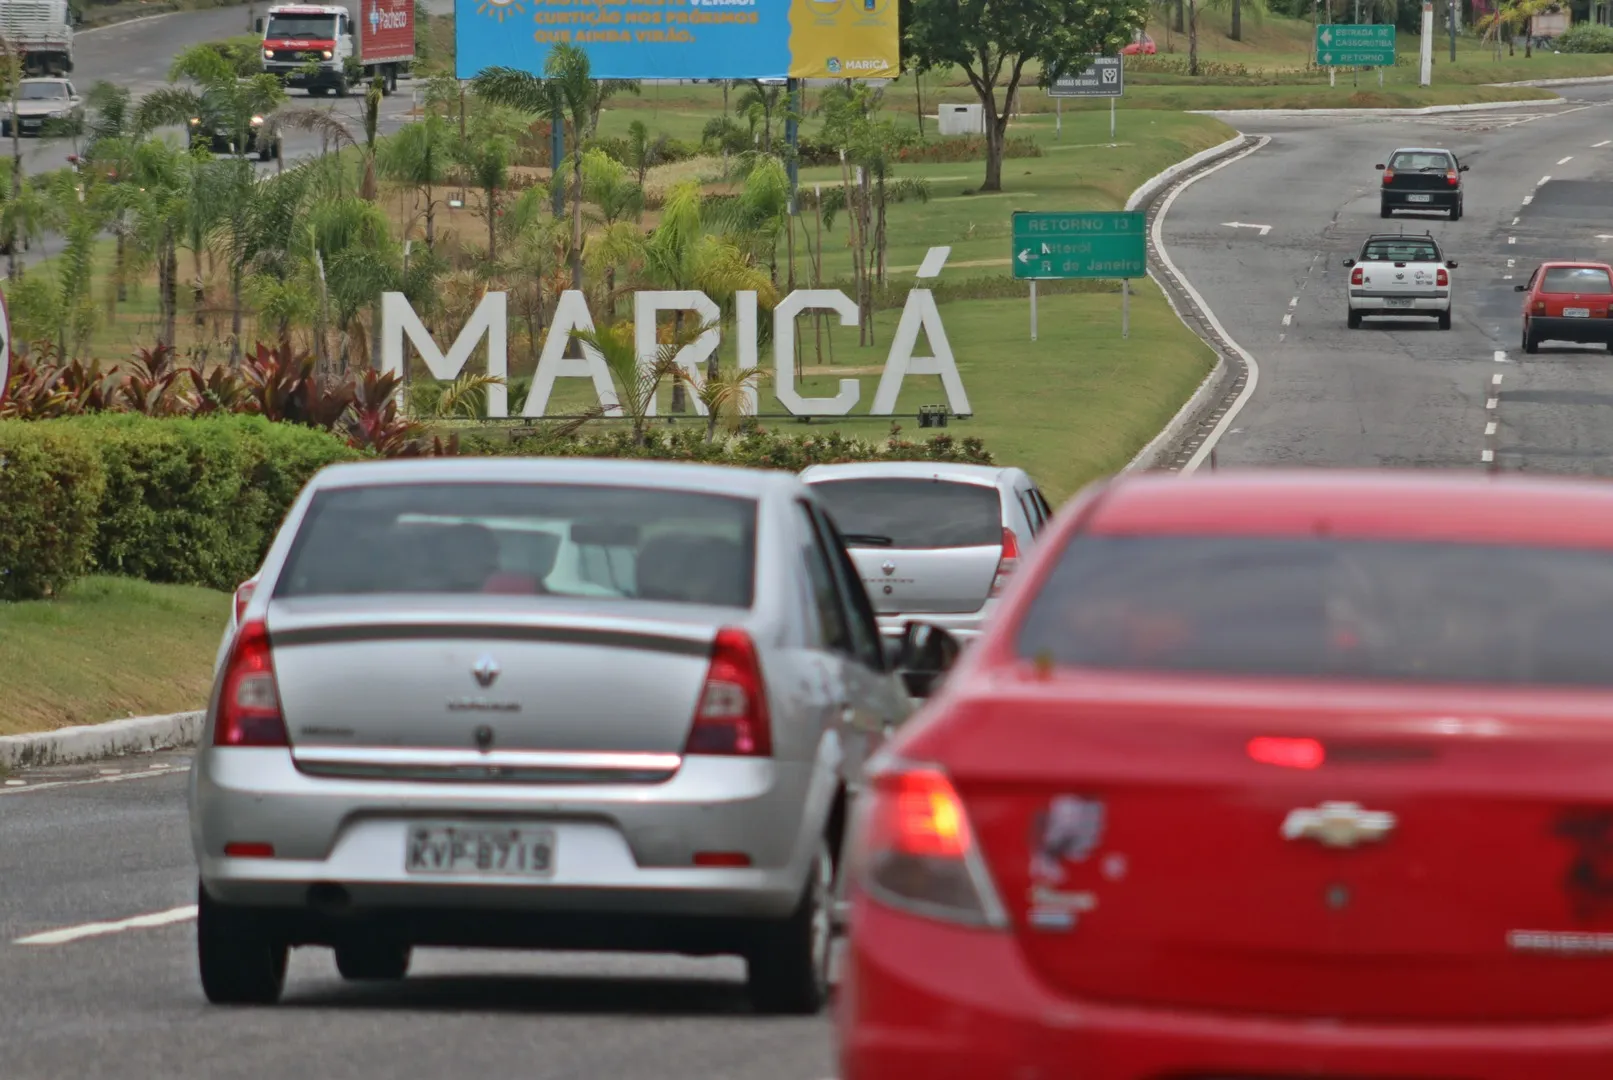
(1495, 380)
(1527, 199)
(1506, 277)
(1566, 160)
(1489, 429)
(1281, 338)
(1544, 180)
(1500, 356)
(1515, 220)
(16, 783)
(1251, 363)
(1492, 403)
(1288, 320)
(1487, 456)
(1511, 263)
(97, 929)
(1294, 302)
(1599, 145)
(1512, 239)
(30, 789)
(1264, 229)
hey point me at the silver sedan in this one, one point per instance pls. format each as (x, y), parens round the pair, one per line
(544, 704)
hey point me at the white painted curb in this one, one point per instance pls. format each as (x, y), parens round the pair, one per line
(91, 742)
(1558, 82)
(1429, 110)
(1153, 184)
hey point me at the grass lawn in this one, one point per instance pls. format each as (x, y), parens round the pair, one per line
(108, 648)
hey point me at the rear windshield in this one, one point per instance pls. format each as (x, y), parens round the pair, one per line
(1576, 279)
(1400, 251)
(1418, 161)
(300, 27)
(913, 513)
(41, 91)
(1328, 609)
(525, 539)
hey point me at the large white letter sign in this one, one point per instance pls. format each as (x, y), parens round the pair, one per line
(919, 313)
(784, 352)
(398, 320)
(648, 305)
(745, 346)
(571, 313)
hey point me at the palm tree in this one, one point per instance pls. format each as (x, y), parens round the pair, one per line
(336, 132)
(419, 156)
(353, 240)
(764, 98)
(109, 137)
(157, 197)
(242, 104)
(485, 155)
(230, 194)
(600, 92)
(619, 204)
(644, 152)
(636, 382)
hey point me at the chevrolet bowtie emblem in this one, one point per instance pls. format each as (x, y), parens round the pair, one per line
(1338, 825)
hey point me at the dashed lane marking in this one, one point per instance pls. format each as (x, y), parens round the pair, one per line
(1527, 199)
(1489, 429)
(1566, 160)
(1512, 239)
(1506, 277)
(1515, 220)
(22, 787)
(1500, 356)
(99, 929)
(1288, 320)
(1487, 457)
(1495, 380)
(1599, 145)
(1544, 180)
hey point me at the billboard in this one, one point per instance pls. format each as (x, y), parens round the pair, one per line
(684, 39)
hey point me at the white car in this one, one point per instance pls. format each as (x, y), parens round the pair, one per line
(1397, 276)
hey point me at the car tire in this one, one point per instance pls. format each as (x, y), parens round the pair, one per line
(241, 962)
(373, 961)
(1456, 211)
(788, 966)
(1531, 344)
(316, 91)
(1384, 211)
(1445, 319)
(1353, 320)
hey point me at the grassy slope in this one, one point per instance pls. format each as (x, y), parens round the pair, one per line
(108, 648)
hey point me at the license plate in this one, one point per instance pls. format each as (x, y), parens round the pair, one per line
(1419, 198)
(1400, 301)
(1577, 312)
(480, 850)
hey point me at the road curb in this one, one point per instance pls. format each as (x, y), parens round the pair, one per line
(92, 742)
(1558, 82)
(1214, 387)
(1428, 110)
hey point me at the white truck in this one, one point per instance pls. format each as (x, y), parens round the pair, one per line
(42, 30)
(327, 48)
(1399, 276)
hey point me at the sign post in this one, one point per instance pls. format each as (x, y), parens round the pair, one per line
(1427, 41)
(5, 346)
(1105, 77)
(1355, 46)
(1066, 245)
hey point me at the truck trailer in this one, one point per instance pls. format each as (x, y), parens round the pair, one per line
(42, 30)
(333, 48)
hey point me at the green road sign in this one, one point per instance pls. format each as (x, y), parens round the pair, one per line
(1351, 45)
(1080, 244)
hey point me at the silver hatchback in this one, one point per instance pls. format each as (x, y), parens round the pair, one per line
(933, 542)
(541, 703)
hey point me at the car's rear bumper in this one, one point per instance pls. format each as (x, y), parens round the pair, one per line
(966, 627)
(1583, 331)
(1411, 305)
(1415, 200)
(626, 849)
(922, 999)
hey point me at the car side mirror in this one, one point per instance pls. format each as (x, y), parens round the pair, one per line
(1380, 168)
(923, 655)
(1520, 288)
(1451, 263)
(1463, 168)
(1349, 262)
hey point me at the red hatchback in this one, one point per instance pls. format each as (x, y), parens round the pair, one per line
(1263, 774)
(1568, 301)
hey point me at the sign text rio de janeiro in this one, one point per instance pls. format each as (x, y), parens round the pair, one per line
(399, 322)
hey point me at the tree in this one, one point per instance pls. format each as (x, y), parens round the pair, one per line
(336, 131)
(636, 381)
(762, 97)
(644, 153)
(13, 72)
(600, 93)
(1514, 17)
(568, 74)
(240, 104)
(110, 136)
(419, 156)
(994, 41)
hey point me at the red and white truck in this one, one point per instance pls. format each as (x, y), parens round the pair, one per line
(336, 47)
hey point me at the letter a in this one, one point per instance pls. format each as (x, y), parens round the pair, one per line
(919, 313)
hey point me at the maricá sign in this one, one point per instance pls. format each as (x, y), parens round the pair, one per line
(399, 322)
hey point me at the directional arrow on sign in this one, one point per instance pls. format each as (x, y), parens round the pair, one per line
(1327, 58)
(1264, 229)
(1025, 256)
(1327, 37)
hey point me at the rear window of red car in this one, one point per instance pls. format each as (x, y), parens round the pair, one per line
(1576, 279)
(1327, 608)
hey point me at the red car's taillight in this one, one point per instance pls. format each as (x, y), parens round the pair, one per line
(1452, 176)
(249, 703)
(1388, 175)
(243, 596)
(732, 717)
(1357, 276)
(1287, 753)
(1441, 278)
(914, 849)
(1007, 564)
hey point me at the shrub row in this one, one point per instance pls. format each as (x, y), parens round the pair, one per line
(197, 500)
(1585, 38)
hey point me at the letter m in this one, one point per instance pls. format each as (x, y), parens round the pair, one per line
(398, 320)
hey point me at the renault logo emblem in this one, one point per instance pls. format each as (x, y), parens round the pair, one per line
(486, 671)
(1338, 825)
(889, 567)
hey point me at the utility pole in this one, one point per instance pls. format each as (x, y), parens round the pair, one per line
(1451, 12)
(13, 61)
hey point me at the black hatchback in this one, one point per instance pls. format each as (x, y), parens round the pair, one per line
(1422, 179)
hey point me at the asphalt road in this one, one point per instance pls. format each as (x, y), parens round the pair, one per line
(1403, 393)
(82, 847)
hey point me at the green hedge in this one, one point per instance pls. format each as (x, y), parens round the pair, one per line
(1585, 38)
(51, 486)
(187, 501)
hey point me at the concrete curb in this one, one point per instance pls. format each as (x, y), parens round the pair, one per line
(1558, 82)
(1429, 110)
(91, 742)
(1212, 386)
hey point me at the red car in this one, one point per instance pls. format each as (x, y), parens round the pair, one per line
(1142, 44)
(1271, 774)
(1568, 301)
